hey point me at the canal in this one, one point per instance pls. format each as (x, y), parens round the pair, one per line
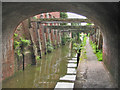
(46, 73)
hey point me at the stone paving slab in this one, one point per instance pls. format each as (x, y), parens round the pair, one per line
(68, 77)
(71, 71)
(74, 58)
(64, 85)
(72, 61)
(72, 65)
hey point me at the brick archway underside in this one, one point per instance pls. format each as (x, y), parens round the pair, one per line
(104, 15)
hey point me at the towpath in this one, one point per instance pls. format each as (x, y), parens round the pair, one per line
(91, 73)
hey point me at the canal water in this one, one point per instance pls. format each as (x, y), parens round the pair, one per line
(46, 73)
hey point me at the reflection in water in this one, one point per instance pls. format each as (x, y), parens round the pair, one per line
(45, 74)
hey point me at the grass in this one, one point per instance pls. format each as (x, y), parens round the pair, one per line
(99, 55)
(97, 52)
(83, 54)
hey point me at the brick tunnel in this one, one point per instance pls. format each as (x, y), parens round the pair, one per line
(104, 15)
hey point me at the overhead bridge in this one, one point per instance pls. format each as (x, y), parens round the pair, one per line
(61, 20)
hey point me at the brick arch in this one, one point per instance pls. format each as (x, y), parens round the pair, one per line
(102, 14)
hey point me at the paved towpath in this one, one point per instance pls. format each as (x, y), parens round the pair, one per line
(91, 73)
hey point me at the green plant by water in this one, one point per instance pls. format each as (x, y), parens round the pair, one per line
(20, 45)
(81, 44)
(49, 46)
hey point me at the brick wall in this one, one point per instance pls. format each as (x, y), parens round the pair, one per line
(10, 62)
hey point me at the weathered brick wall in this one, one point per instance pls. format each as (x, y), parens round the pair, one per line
(55, 14)
(11, 63)
(8, 60)
(23, 32)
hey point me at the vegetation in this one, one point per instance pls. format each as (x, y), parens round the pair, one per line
(88, 24)
(96, 51)
(20, 46)
(68, 39)
(37, 57)
(49, 46)
(78, 46)
(75, 24)
(63, 15)
(93, 46)
(65, 38)
(99, 55)
(83, 54)
(84, 40)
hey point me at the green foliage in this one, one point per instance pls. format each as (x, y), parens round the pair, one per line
(24, 42)
(98, 52)
(49, 46)
(73, 34)
(93, 46)
(63, 40)
(76, 47)
(84, 41)
(63, 15)
(16, 44)
(19, 45)
(49, 49)
(83, 54)
(34, 17)
(99, 55)
(18, 52)
(15, 35)
(78, 36)
(71, 39)
(37, 57)
(80, 45)
(88, 34)
(74, 24)
(89, 24)
(68, 39)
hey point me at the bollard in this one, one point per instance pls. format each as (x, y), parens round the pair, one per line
(78, 56)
